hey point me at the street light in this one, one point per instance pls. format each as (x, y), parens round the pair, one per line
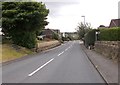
(84, 19)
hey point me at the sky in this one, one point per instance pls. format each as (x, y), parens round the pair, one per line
(66, 14)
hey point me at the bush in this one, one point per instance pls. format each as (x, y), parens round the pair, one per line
(55, 36)
(25, 39)
(111, 34)
(89, 38)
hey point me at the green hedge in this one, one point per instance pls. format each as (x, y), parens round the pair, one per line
(106, 34)
(89, 38)
(110, 34)
(25, 39)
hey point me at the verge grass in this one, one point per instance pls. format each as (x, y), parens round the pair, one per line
(10, 53)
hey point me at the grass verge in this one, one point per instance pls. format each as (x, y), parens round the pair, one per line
(10, 52)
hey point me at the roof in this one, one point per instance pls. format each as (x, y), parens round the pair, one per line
(115, 23)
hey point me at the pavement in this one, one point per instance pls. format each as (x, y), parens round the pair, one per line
(67, 63)
(107, 67)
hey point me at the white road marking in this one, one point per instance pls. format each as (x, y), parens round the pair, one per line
(66, 49)
(69, 47)
(61, 53)
(40, 67)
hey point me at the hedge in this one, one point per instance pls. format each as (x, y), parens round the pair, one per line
(110, 34)
(89, 38)
(25, 39)
(106, 34)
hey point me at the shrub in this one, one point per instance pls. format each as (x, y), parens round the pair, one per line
(55, 36)
(89, 38)
(111, 34)
(25, 39)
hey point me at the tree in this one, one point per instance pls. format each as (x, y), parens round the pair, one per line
(55, 36)
(21, 21)
(82, 29)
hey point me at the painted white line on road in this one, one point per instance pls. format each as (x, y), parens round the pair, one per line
(66, 49)
(61, 53)
(40, 67)
(69, 48)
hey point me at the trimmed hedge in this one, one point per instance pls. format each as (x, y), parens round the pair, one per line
(110, 34)
(106, 34)
(89, 38)
(25, 39)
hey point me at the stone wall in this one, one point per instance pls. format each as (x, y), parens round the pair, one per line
(47, 45)
(110, 49)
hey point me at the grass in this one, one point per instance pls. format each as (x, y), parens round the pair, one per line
(10, 53)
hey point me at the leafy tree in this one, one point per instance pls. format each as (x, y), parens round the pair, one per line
(21, 21)
(82, 29)
(55, 36)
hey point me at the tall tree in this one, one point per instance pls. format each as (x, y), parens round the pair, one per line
(21, 21)
(82, 29)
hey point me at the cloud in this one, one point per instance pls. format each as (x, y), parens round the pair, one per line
(55, 7)
(66, 14)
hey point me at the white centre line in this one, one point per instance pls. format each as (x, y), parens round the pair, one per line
(66, 49)
(41, 67)
(61, 53)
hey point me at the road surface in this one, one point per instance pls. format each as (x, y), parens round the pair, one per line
(65, 64)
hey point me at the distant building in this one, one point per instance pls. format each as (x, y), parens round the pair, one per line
(74, 35)
(48, 33)
(114, 23)
(102, 26)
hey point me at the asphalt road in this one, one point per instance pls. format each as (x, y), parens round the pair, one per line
(65, 64)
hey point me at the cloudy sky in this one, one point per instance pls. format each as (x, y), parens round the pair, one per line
(66, 14)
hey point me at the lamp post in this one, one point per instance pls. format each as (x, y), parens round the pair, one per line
(84, 19)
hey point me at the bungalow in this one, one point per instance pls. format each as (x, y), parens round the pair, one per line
(114, 23)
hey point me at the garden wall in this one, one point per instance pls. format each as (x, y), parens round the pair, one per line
(109, 49)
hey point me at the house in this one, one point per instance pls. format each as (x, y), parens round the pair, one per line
(45, 33)
(48, 33)
(114, 23)
(102, 26)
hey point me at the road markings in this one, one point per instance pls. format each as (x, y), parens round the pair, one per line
(41, 67)
(69, 48)
(66, 49)
(60, 53)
